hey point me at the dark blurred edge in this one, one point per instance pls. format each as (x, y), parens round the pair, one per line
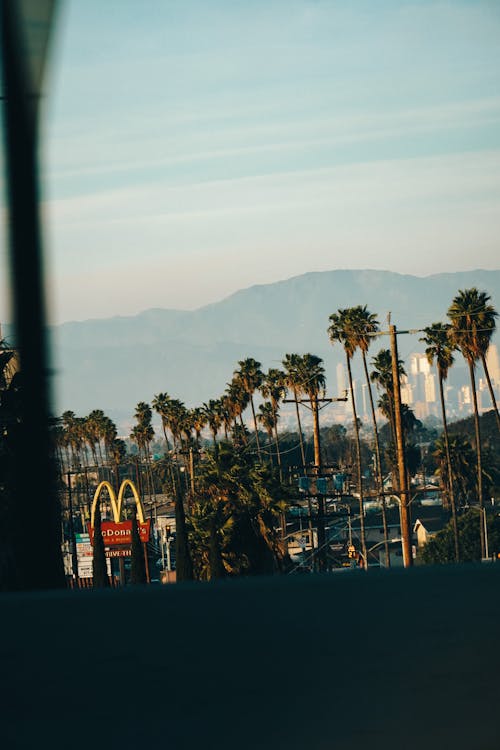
(392, 660)
(36, 560)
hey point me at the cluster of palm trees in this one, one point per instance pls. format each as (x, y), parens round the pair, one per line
(472, 321)
(301, 375)
(87, 441)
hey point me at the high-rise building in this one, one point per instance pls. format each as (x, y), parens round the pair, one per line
(341, 378)
(493, 364)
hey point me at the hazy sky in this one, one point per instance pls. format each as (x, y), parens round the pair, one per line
(194, 148)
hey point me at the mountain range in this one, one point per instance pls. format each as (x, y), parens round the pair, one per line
(115, 362)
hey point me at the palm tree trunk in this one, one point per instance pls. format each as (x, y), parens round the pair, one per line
(478, 455)
(450, 473)
(168, 457)
(270, 438)
(490, 388)
(100, 451)
(380, 480)
(301, 437)
(255, 427)
(150, 468)
(277, 442)
(360, 477)
(164, 427)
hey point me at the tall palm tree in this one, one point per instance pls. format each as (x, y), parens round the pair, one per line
(251, 377)
(472, 312)
(227, 414)
(344, 328)
(72, 437)
(161, 404)
(273, 387)
(143, 434)
(175, 420)
(199, 420)
(381, 375)
(292, 381)
(267, 418)
(95, 425)
(214, 419)
(470, 325)
(237, 400)
(311, 381)
(364, 325)
(440, 350)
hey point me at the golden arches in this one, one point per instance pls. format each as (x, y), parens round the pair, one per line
(116, 506)
(140, 510)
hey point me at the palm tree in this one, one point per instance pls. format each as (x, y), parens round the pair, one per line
(143, 434)
(161, 404)
(344, 328)
(292, 381)
(440, 350)
(381, 375)
(273, 387)
(95, 426)
(268, 419)
(461, 464)
(311, 381)
(473, 314)
(199, 420)
(214, 419)
(227, 414)
(237, 400)
(364, 325)
(311, 375)
(251, 376)
(472, 323)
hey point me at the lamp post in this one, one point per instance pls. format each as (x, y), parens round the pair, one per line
(482, 512)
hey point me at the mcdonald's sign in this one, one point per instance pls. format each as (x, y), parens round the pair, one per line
(118, 531)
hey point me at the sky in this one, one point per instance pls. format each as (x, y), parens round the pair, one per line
(191, 149)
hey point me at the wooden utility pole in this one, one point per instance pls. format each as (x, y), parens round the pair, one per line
(322, 561)
(404, 509)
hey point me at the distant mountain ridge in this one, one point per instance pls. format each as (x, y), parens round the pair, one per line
(114, 362)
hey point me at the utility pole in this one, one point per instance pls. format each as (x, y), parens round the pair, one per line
(400, 453)
(191, 469)
(74, 558)
(314, 405)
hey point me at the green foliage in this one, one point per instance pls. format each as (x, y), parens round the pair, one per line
(441, 549)
(234, 523)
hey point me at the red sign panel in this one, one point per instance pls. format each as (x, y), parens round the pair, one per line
(120, 533)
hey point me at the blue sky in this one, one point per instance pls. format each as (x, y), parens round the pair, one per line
(194, 148)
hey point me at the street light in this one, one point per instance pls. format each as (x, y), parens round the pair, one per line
(482, 511)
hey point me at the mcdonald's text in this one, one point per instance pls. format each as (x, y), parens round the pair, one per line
(120, 533)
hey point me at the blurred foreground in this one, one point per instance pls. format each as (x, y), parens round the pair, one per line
(396, 659)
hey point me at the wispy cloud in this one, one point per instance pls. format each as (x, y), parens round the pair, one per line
(271, 137)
